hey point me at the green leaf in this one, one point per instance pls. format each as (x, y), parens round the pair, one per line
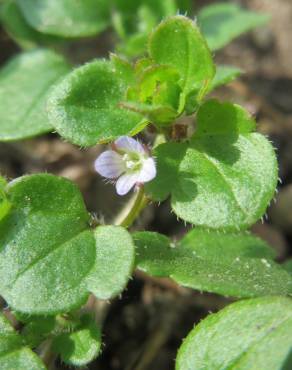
(24, 85)
(124, 69)
(134, 20)
(19, 30)
(252, 334)
(84, 107)
(37, 329)
(49, 259)
(155, 94)
(46, 247)
(177, 42)
(226, 119)
(80, 346)
(222, 22)
(115, 254)
(4, 203)
(157, 114)
(66, 18)
(13, 355)
(224, 178)
(224, 75)
(214, 262)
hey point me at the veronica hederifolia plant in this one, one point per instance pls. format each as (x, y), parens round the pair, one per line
(219, 174)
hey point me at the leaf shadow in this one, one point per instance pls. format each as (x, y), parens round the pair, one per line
(288, 362)
(186, 189)
(222, 148)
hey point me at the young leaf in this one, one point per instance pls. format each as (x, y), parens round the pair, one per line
(84, 107)
(19, 30)
(155, 94)
(49, 259)
(225, 177)
(214, 262)
(252, 334)
(178, 43)
(224, 75)
(159, 115)
(222, 22)
(66, 18)
(13, 355)
(24, 85)
(81, 346)
(134, 20)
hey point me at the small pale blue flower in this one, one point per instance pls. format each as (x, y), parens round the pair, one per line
(128, 162)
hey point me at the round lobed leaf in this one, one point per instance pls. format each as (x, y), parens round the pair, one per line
(49, 258)
(237, 265)
(224, 178)
(24, 85)
(248, 335)
(84, 107)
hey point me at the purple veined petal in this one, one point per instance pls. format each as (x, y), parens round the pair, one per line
(109, 164)
(126, 182)
(129, 144)
(148, 170)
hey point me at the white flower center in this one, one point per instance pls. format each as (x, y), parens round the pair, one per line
(133, 161)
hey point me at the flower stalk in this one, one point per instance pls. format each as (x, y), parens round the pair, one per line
(132, 209)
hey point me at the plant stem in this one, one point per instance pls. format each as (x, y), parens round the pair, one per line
(45, 353)
(132, 209)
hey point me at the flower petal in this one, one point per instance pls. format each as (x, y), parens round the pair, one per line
(129, 144)
(148, 170)
(126, 182)
(109, 164)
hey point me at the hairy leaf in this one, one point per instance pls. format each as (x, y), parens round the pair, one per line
(80, 346)
(252, 334)
(49, 259)
(115, 253)
(84, 107)
(67, 18)
(24, 85)
(220, 23)
(225, 177)
(134, 20)
(237, 265)
(13, 354)
(46, 248)
(177, 42)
